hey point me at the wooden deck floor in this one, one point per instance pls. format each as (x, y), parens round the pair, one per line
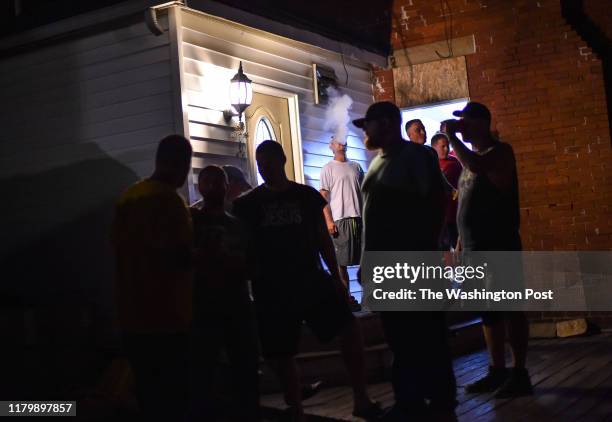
(572, 379)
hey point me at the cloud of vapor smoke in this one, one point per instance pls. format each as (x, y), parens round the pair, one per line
(337, 114)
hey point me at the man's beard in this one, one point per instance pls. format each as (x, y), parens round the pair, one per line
(371, 144)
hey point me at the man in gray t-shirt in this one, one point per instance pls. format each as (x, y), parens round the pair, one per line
(340, 186)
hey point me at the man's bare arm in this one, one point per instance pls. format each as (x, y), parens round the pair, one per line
(326, 247)
(329, 219)
(497, 164)
(469, 159)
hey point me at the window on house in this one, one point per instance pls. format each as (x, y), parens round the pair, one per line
(263, 132)
(431, 115)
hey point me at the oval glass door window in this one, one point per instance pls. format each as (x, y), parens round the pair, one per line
(263, 132)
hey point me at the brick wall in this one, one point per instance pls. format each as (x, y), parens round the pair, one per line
(545, 89)
(383, 85)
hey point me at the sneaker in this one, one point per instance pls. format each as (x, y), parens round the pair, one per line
(311, 390)
(372, 413)
(518, 384)
(490, 382)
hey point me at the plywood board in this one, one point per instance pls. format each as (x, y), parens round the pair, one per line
(431, 82)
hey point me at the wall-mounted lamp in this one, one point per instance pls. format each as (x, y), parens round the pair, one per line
(241, 94)
(323, 78)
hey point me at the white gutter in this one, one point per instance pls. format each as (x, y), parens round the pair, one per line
(151, 16)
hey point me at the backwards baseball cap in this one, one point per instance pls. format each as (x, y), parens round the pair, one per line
(474, 110)
(234, 174)
(381, 110)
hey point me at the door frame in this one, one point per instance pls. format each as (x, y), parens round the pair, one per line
(294, 126)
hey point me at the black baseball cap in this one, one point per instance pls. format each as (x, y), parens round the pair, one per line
(381, 110)
(474, 110)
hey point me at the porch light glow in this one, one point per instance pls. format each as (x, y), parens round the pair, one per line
(241, 91)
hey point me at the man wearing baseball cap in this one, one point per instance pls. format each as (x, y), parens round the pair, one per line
(403, 206)
(488, 220)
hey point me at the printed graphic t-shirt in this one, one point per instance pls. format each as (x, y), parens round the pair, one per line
(283, 233)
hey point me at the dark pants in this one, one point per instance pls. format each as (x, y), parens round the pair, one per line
(448, 237)
(161, 366)
(422, 365)
(235, 334)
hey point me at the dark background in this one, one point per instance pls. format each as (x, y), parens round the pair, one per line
(363, 23)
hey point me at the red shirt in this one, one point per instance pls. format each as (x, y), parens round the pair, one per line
(451, 167)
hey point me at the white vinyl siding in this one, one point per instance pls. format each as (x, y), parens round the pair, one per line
(104, 97)
(80, 121)
(107, 95)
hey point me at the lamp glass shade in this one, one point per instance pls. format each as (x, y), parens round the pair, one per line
(241, 91)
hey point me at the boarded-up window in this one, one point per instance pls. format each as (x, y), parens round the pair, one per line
(431, 82)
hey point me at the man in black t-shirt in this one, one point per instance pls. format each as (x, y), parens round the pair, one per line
(223, 311)
(287, 233)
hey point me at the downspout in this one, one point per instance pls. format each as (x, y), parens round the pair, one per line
(151, 15)
(179, 96)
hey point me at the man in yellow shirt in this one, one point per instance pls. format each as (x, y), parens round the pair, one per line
(152, 238)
